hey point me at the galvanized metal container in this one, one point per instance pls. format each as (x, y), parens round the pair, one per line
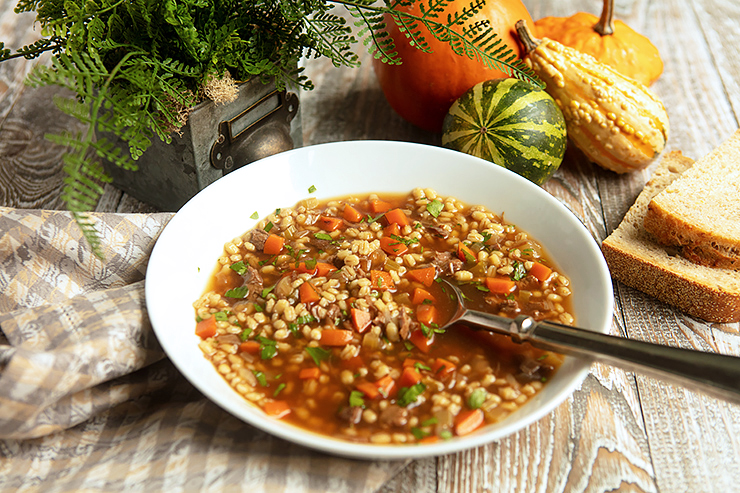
(217, 139)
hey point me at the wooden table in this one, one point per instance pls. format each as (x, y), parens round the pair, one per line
(619, 430)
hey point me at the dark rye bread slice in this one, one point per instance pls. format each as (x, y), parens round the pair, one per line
(699, 213)
(638, 260)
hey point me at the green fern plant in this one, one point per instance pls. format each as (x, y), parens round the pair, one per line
(136, 66)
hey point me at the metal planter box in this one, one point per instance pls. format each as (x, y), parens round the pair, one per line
(217, 139)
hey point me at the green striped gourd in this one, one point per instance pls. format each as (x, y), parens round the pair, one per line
(511, 123)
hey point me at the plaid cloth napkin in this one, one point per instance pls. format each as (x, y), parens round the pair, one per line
(88, 400)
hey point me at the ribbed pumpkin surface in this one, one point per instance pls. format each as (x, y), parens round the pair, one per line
(511, 123)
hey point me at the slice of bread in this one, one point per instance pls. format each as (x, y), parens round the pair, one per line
(699, 213)
(638, 260)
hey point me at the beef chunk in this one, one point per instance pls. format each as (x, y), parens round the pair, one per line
(406, 324)
(529, 283)
(394, 415)
(253, 281)
(258, 238)
(446, 262)
(352, 414)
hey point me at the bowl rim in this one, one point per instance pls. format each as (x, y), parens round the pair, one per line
(161, 259)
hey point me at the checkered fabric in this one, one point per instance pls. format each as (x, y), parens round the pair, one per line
(88, 400)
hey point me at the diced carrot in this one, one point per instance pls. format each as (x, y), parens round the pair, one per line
(251, 347)
(426, 314)
(273, 245)
(301, 268)
(421, 341)
(369, 389)
(336, 337)
(411, 362)
(351, 214)
(421, 295)
(329, 223)
(500, 285)
(206, 328)
(354, 363)
(465, 254)
(381, 280)
(323, 269)
(308, 293)
(409, 377)
(392, 246)
(441, 367)
(540, 271)
(429, 440)
(386, 386)
(277, 409)
(377, 206)
(309, 373)
(424, 276)
(397, 216)
(468, 421)
(360, 319)
(392, 229)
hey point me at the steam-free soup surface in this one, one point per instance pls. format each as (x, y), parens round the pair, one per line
(328, 315)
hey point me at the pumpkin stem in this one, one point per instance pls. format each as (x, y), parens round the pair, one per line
(605, 26)
(525, 36)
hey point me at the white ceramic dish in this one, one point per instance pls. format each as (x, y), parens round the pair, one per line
(186, 253)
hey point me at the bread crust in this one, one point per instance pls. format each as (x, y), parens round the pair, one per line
(676, 216)
(636, 259)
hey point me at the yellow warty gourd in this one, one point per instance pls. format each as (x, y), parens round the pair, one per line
(616, 121)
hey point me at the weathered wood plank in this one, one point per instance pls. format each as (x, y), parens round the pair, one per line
(693, 439)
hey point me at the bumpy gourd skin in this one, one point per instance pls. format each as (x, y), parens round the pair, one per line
(616, 121)
(626, 51)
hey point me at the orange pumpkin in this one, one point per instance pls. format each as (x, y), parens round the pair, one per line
(612, 42)
(425, 85)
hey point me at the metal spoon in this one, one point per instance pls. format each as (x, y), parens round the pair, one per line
(713, 374)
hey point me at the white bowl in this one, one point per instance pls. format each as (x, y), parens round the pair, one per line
(186, 254)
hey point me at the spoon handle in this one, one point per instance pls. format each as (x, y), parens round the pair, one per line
(713, 374)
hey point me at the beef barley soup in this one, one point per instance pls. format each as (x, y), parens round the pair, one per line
(328, 315)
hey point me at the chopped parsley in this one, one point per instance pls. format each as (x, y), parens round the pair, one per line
(421, 366)
(371, 220)
(323, 236)
(486, 236)
(435, 207)
(239, 267)
(278, 389)
(355, 399)
(268, 347)
(405, 241)
(418, 433)
(519, 272)
(445, 434)
(258, 308)
(318, 354)
(240, 292)
(267, 291)
(245, 334)
(293, 327)
(409, 395)
(221, 316)
(261, 378)
(306, 319)
(430, 422)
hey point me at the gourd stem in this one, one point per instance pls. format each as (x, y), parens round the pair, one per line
(605, 26)
(525, 36)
